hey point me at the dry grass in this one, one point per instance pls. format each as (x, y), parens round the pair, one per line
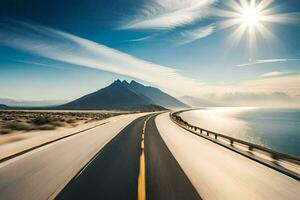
(4, 131)
(11, 121)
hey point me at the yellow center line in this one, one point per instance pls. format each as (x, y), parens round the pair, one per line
(142, 146)
(142, 181)
(142, 172)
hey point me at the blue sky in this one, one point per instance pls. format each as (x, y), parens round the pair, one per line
(64, 49)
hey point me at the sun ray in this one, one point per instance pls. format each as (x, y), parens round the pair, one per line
(264, 4)
(228, 23)
(252, 40)
(237, 34)
(237, 7)
(225, 13)
(245, 4)
(283, 18)
(266, 33)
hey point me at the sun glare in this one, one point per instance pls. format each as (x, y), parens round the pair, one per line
(251, 16)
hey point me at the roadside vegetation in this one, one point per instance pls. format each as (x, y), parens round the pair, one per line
(11, 121)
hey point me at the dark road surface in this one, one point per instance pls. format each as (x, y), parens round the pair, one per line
(113, 173)
(165, 180)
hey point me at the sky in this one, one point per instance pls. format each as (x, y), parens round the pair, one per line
(57, 50)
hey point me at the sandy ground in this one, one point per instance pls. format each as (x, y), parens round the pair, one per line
(218, 173)
(18, 141)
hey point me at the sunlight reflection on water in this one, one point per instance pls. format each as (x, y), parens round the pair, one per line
(275, 129)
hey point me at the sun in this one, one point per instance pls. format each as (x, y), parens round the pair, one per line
(251, 16)
(251, 20)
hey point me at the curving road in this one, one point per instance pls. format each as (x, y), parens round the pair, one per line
(113, 173)
(164, 177)
(219, 173)
(42, 173)
(104, 163)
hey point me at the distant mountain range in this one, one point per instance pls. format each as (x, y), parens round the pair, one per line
(199, 102)
(25, 103)
(125, 96)
(2, 106)
(120, 95)
(133, 96)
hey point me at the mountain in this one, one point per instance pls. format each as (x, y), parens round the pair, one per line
(156, 95)
(117, 96)
(26, 103)
(3, 107)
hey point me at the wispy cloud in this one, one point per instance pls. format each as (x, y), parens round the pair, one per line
(288, 84)
(140, 39)
(191, 35)
(40, 64)
(168, 14)
(274, 74)
(256, 62)
(183, 37)
(68, 48)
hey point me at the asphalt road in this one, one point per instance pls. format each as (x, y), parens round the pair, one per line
(43, 172)
(113, 173)
(164, 177)
(103, 163)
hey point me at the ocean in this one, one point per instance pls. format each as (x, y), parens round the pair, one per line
(277, 129)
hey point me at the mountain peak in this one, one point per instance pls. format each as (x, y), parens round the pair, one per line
(134, 83)
(125, 83)
(2, 106)
(118, 81)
